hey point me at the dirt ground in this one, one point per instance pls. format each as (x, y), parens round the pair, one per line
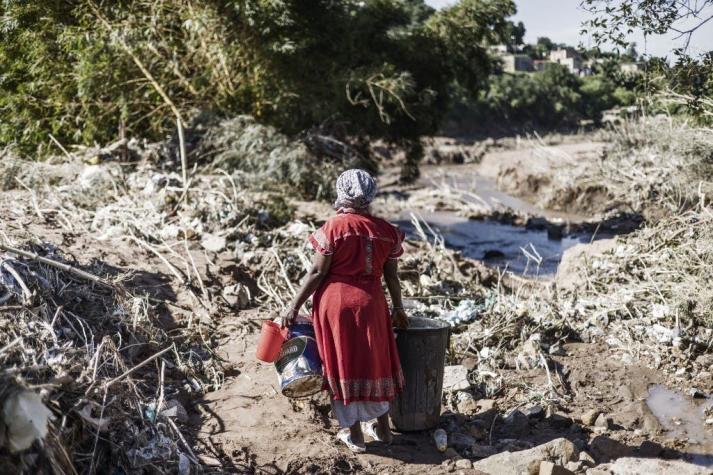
(249, 427)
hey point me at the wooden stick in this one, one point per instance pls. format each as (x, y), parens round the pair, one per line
(10, 345)
(184, 159)
(144, 362)
(58, 265)
(69, 155)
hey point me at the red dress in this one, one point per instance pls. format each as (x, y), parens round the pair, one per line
(350, 314)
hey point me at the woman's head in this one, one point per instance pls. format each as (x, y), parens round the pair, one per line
(356, 189)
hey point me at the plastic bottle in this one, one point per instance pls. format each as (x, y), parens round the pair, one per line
(441, 439)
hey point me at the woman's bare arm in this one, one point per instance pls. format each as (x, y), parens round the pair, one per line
(391, 275)
(311, 282)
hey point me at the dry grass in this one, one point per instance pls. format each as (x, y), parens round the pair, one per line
(654, 165)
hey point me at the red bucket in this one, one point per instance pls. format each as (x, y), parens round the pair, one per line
(271, 339)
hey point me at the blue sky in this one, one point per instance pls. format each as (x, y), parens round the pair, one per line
(560, 20)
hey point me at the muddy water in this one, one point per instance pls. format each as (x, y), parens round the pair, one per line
(515, 248)
(684, 418)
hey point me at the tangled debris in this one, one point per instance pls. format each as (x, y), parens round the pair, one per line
(88, 359)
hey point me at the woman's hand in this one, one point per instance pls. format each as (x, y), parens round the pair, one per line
(288, 316)
(399, 318)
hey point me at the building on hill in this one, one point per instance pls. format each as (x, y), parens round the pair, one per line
(567, 57)
(632, 68)
(540, 64)
(517, 63)
(498, 50)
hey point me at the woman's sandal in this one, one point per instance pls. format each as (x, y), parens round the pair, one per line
(369, 428)
(346, 437)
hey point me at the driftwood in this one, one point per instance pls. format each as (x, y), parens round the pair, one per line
(58, 265)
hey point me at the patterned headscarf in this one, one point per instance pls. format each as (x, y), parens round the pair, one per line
(356, 189)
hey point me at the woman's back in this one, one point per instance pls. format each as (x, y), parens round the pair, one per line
(359, 245)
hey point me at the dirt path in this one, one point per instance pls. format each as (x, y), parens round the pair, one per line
(251, 428)
(257, 429)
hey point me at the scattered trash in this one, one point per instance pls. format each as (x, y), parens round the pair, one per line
(26, 418)
(440, 437)
(213, 243)
(466, 312)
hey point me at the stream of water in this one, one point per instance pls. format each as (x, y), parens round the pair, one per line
(518, 249)
(515, 248)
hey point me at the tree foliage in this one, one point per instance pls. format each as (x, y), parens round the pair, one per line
(615, 20)
(548, 100)
(92, 71)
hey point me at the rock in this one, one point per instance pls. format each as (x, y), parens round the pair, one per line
(25, 419)
(452, 454)
(574, 466)
(464, 464)
(175, 410)
(470, 363)
(586, 459)
(650, 449)
(466, 403)
(529, 355)
(604, 422)
(646, 466)
(213, 243)
(559, 421)
(589, 417)
(460, 441)
(606, 449)
(534, 412)
(559, 451)
(513, 445)
(237, 296)
(572, 268)
(548, 468)
(468, 406)
(455, 378)
(483, 451)
(485, 405)
(696, 393)
(517, 424)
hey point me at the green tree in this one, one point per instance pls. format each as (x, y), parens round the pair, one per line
(89, 71)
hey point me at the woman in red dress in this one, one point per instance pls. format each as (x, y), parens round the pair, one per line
(350, 313)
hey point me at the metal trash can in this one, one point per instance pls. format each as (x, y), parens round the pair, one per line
(422, 351)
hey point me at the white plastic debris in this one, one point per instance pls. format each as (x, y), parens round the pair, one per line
(26, 418)
(662, 334)
(184, 464)
(100, 423)
(213, 243)
(659, 311)
(465, 312)
(297, 229)
(95, 176)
